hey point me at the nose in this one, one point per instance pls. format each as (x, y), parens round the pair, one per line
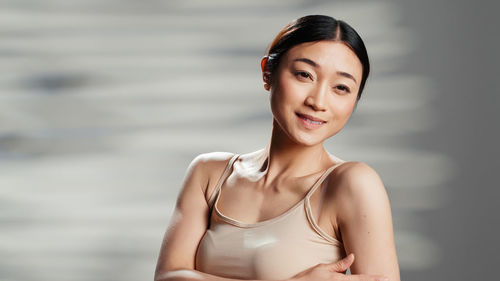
(317, 97)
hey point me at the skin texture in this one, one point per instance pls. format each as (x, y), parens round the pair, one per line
(352, 206)
(315, 90)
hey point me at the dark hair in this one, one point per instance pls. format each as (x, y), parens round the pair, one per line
(316, 28)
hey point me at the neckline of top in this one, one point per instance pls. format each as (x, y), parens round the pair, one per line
(280, 216)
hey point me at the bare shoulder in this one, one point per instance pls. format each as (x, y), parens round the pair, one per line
(210, 160)
(357, 186)
(209, 167)
(362, 217)
(212, 157)
(357, 175)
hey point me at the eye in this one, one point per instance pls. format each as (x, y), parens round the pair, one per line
(343, 88)
(303, 75)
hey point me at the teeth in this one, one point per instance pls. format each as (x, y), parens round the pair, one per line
(314, 122)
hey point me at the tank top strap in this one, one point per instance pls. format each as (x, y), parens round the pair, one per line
(309, 213)
(322, 178)
(222, 178)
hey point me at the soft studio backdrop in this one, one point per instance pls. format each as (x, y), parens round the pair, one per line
(103, 104)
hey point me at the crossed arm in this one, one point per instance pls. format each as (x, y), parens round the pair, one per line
(364, 218)
(370, 239)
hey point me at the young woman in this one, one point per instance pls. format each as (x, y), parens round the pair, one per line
(289, 211)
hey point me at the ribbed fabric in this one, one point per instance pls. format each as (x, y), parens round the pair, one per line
(277, 248)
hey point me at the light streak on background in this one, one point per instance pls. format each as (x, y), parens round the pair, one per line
(103, 104)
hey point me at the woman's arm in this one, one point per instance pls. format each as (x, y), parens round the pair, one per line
(320, 272)
(189, 220)
(176, 261)
(365, 221)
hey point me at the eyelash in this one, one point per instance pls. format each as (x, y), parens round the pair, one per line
(343, 88)
(300, 74)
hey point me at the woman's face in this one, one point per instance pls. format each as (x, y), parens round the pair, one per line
(314, 89)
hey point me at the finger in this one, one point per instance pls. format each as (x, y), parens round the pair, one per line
(362, 277)
(343, 264)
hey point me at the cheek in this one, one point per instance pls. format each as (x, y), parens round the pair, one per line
(284, 93)
(342, 108)
(276, 102)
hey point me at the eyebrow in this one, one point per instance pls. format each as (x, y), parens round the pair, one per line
(313, 64)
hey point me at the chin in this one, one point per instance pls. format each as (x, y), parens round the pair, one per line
(308, 140)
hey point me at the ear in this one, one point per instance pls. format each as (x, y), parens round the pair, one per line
(263, 63)
(266, 76)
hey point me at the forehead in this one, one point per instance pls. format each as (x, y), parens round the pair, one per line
(329, 55)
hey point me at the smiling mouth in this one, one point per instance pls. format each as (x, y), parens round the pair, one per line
(310, 119)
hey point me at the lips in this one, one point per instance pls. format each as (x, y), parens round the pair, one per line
(309, 117)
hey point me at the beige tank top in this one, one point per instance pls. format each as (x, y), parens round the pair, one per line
(277, 248)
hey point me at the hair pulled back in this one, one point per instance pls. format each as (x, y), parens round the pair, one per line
(317, 28)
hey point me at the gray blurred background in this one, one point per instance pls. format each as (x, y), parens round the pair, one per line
(103, 104)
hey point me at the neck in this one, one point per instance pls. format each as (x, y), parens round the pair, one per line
(284, 158)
